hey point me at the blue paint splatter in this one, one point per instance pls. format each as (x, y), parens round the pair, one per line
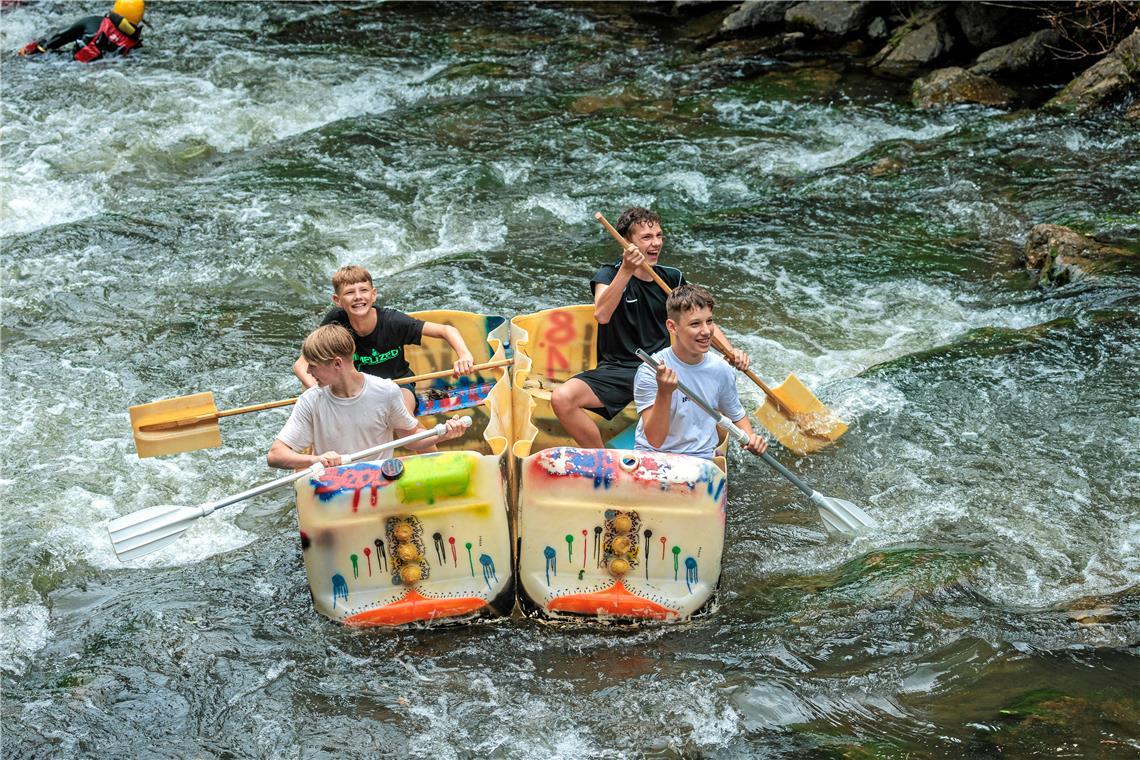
(690, 573)
(340, 588)
(488, 569)
(592, 463)
(551, 560)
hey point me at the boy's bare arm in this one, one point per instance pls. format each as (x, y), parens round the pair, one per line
(464, 360)
(301, 370)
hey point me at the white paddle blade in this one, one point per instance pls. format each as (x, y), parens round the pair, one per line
(841, 516)
(148, 530)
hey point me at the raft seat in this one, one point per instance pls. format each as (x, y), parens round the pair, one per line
(618, 432)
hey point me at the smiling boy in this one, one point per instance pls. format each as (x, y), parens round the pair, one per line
(630, 309)
(346, 410)
(669, 421)
(380, 334)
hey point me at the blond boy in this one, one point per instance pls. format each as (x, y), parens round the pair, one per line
(380, 334)
(346, 411)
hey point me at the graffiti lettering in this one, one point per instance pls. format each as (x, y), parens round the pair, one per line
(350, 478)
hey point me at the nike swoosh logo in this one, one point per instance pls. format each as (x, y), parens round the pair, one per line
(629, 301)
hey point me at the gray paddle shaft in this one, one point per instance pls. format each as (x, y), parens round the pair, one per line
(317, 467)
(838, 515)
(732, 429)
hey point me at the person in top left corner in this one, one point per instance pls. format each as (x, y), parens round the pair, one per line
(116, 33)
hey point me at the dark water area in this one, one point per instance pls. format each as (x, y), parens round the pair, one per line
(169, 223)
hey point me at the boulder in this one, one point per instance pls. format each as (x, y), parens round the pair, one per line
(956, 85)
(1061, 254)
(984, 24)
(756, 13)
(1105, 83)
(877, 29)
(1028, 55)
(830, 19)
(920, 46)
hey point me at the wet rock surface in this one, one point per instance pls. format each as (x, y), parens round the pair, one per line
(1062, 254)
(957, 85)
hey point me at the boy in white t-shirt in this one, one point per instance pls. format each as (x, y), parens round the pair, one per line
(348, 411)
(669, 421)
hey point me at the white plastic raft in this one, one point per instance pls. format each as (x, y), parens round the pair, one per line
(425, 537)
(609, 533)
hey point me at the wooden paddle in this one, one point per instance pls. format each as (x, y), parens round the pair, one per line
(799, 420)
(190, 423)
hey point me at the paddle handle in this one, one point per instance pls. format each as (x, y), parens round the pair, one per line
(717, 343)
(791, 476)
(318, 467)
(229, 412)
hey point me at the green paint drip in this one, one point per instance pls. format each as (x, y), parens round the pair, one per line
(470, 561)
(676, 561)
(355, 566)
(570, 546)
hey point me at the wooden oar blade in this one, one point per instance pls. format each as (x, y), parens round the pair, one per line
(148, 530)
(808, 412)
(153, 443)
(808, 426)
(841, 516)
(786, 431)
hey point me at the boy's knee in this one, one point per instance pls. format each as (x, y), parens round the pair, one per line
(562, 400)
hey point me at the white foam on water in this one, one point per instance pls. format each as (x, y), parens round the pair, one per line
(838, 135)
(26, 630)
(569, 211)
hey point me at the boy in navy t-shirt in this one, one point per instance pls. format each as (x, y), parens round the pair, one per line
(630, 309)
(380, 333)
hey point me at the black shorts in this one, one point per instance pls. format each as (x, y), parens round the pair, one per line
(612, 384)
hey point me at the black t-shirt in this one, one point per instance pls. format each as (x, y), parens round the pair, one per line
(382, 352)
(639, 319)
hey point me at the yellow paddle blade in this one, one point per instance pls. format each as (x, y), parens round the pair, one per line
(174, 440)
(810, 425)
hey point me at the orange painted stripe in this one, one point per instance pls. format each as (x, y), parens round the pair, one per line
(616, 600)
(415, 607)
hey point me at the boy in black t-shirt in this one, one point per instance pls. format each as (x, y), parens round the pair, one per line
(380, 334)
(630, 309)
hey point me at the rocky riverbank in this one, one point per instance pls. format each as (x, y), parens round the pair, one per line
(1078, 57)
(994, 54)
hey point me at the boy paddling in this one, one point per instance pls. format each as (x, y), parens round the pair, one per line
(380, 334)
(669, 421)
(630, 309)
(346, 411)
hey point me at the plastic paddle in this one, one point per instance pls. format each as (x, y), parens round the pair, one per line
(148, 530)
(190, 423)
(838, 516)
(798, 419)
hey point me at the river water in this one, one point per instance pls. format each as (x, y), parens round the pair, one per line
(169, 224)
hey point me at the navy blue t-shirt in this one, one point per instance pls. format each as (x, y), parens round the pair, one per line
(381, 353)
(639, 319)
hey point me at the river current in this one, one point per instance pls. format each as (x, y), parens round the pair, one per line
(169, 223)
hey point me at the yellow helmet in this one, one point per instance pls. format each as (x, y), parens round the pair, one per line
(131, 10)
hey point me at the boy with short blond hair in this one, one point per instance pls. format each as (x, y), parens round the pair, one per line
(380, 334)
(346, 411)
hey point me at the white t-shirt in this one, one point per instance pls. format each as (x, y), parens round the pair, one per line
(691, 429)
(347, 425)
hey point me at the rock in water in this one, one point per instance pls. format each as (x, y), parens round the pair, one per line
(1105, 83)
(956, 85)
